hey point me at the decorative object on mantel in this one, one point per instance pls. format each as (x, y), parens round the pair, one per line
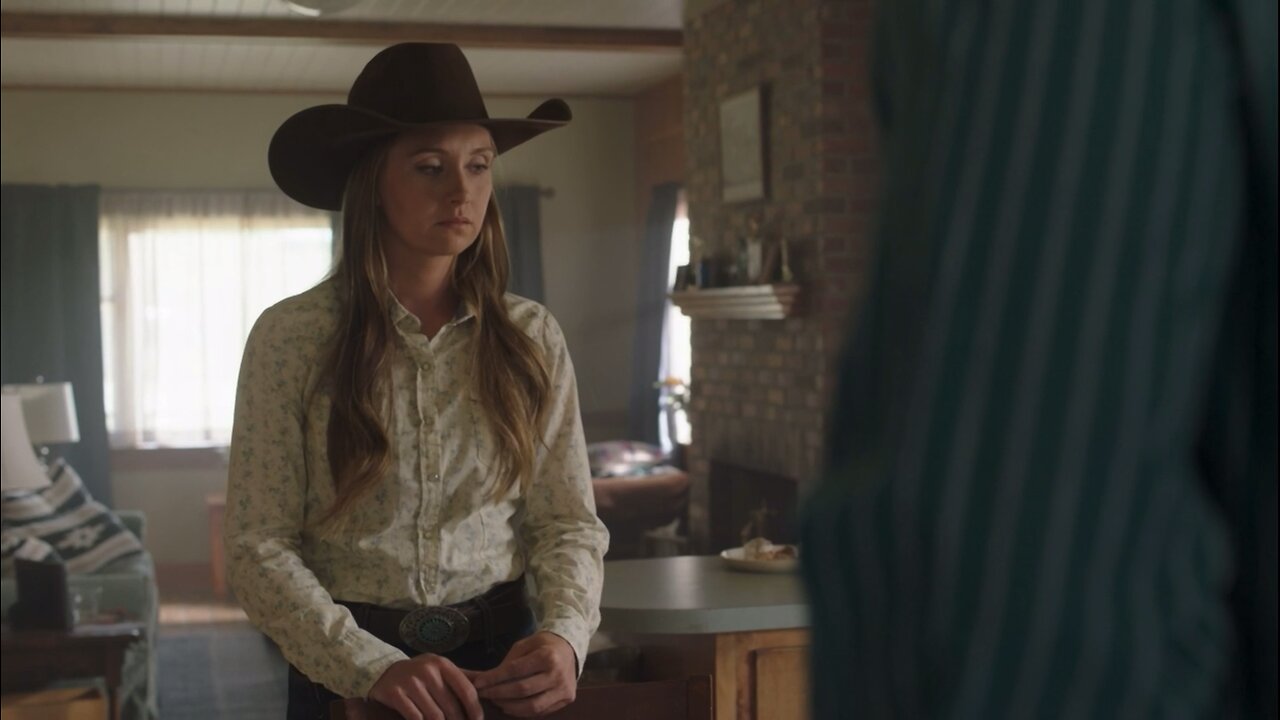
(755, 259)
(767, 272)
(744, 302)
(732, 267)
(751, 255)
(742, 147)
(699, 264)
(682, 282)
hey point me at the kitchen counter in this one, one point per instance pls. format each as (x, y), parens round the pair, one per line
(697, 594)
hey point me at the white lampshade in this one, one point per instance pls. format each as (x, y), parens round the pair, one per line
(50, 412)
(19, 468)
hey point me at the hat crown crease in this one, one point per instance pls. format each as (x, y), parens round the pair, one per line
(419, 84)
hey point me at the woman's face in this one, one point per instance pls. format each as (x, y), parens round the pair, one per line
(434, 189)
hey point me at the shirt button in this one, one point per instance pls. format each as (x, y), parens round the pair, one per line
(435, 477)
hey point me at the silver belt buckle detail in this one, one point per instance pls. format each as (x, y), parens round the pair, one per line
(434, 629)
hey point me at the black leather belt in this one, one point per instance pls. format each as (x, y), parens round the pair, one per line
(442, 628)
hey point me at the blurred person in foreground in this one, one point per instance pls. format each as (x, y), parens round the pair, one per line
(1051, 479)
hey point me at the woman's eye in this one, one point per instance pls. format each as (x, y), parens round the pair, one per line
(430, 169)
(479, 167)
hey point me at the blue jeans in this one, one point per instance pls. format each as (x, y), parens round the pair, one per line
(310, 700)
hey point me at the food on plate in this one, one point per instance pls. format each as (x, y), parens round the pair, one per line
(761, 549)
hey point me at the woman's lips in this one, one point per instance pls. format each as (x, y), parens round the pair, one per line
(456, 222)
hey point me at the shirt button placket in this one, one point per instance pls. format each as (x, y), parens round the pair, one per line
(433, 472)
(426, 568)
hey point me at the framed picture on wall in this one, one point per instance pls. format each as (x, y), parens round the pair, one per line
(742, 146)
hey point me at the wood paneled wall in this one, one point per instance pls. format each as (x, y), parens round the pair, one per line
(660, 152)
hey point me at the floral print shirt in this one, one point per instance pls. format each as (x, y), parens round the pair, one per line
(430, 534)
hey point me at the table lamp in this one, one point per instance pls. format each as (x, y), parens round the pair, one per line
(50, 413)
(43, 601)
(19, 468)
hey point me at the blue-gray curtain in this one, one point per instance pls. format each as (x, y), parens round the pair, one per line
(651, 305)
(522, 221)
(51, 318)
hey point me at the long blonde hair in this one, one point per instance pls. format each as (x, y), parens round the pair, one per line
(511, 376)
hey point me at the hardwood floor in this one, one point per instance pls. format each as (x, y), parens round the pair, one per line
(187, 597)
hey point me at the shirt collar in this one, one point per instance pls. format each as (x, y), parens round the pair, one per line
(407, 322)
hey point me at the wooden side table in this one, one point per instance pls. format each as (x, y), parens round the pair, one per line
(31, 658)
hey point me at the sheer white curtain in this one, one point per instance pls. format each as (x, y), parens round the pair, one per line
(677, 333)
(184, 277)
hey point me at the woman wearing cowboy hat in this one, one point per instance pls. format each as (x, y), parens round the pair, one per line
(407, 442)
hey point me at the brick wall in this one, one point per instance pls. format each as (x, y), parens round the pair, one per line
(760, 387)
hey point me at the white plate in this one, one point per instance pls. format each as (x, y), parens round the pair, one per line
(735, 558)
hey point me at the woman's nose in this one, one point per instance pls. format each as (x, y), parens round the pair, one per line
(459, 189)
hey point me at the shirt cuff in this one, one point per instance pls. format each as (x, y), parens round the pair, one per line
(573, 633)
(367, 658)
(367, 675)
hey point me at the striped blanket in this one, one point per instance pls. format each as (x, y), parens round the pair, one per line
(83, 532)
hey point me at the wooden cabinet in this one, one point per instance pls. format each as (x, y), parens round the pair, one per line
(693, 616)
(759, 675)
(780, 682)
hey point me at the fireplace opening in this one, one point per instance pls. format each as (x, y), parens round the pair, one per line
(737, 494)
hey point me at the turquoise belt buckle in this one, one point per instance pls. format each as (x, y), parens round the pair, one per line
(435, 629)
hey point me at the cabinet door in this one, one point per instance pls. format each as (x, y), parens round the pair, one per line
(781, 683)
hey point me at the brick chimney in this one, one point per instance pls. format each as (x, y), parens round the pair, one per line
(760, 388)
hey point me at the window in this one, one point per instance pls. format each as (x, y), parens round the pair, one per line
(677, 353)
(184, 276)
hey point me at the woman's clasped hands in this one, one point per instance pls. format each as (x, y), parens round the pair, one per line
(537, 677)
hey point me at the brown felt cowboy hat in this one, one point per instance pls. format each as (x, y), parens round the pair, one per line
(404, 87)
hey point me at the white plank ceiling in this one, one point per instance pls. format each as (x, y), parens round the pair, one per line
(300, 64)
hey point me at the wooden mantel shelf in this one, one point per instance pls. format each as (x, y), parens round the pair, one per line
(746, 302)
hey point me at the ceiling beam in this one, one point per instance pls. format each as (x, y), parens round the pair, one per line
(79, 26)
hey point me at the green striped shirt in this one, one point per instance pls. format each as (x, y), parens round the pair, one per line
(1051, 484)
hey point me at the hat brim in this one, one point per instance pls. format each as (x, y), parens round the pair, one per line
(313, 152)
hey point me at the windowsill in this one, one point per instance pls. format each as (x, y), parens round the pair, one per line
(136, 459)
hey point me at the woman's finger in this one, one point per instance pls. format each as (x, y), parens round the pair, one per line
(443, 697)
(464, 691)
(425, 699)
(536, 705)
(403, 704)
(521, 688)
(511, 669)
